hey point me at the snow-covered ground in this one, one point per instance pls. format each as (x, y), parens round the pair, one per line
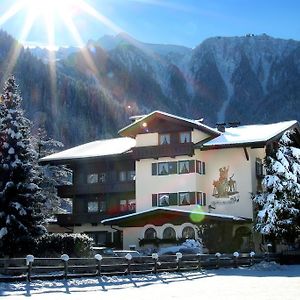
(264, 281)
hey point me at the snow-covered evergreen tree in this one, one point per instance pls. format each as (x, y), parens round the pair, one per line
(20, 196)
(279, 203)
(52, 176)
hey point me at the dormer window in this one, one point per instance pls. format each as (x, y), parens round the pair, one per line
(185, 137)
(164, 139)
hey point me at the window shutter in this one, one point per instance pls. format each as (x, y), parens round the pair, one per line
(173, 199)
(204, 199)
(154, 200)
(198, 166)
(154, 169)
(203, 167)
(192, 166)
(192, 198)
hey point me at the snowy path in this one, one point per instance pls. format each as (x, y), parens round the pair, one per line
(279, 282)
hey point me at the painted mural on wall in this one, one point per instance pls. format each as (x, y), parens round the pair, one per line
(225, 186)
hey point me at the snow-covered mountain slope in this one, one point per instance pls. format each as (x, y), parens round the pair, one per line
(251, 79)
(45, 54)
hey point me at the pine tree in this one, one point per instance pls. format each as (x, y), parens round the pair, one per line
(279, 204)
(52, 176)
(20, 196)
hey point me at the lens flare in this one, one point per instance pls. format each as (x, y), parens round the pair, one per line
(197, 215)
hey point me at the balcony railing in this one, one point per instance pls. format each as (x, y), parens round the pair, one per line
(68, 191)
(92, 218)
(170, 150)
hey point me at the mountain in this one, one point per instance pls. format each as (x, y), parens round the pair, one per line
(46, 54)
(247, 79)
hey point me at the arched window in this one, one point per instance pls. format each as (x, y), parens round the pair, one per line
(188, 232)
(150, 234)
(169, 233)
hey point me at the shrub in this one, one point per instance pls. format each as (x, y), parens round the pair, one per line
(55, 244)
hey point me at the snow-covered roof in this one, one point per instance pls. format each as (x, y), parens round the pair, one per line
(249, 134)
(194, 123)
(94, 149)
(170, 210)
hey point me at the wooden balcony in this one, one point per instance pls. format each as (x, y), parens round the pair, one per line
(170, 150)
(68, 191)
(92, 218)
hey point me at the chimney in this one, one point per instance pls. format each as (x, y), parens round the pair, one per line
(234, 124)
(221, 126)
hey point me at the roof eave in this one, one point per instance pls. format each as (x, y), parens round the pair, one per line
(128, 130)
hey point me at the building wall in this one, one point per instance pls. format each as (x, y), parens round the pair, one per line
(198, 136)
(148, 184)
(232, 161)
(149, 139)
(132, 235)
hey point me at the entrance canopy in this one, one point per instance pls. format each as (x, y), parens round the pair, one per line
(161, 215)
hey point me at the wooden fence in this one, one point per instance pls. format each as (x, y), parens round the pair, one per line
(29, 268)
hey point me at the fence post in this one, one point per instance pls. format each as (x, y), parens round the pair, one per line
(178, 259)
(199, 261)
(29, 262)
(269, 247)
(99, 258)
(155, 258)
(218, 255)
(129, 258)
(236, 256)
(65, 258)
(252, 258)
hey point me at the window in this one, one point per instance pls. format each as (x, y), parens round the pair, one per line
(123, 205)
(168, 199)
(200, 167)
(93, 206)
(166, 168)
(188, 232)
(102, 206)
(163, 169)
(184, 167)
(177, 167)
(163, 199)
(100, 237)
(127, 205)
(259, 168)
(92, 178)
(185, 137)
(131, 175)
(122, 176)
(201, 198)
(164, 139)
(184, 198)
(131, 205)
(154, 200)
(102, 177)
(150, 234)
(169, 233)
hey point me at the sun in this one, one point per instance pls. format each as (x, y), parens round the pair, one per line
(44, 13)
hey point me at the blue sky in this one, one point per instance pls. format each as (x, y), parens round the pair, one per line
(184, 22)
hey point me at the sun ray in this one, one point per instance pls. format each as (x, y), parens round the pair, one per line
(97, 15)
(13, 10)
(16, 49)
(52, 59)
(86, 55)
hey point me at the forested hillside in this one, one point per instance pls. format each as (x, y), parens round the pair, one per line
(247, 79)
